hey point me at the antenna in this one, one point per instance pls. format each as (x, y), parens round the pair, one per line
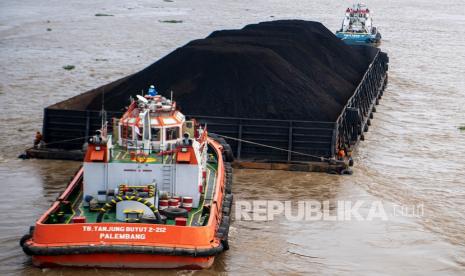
(102, 112)
(171, 96)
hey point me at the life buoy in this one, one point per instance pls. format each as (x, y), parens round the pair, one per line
(141, 157)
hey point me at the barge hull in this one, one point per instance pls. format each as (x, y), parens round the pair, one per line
(67, 129)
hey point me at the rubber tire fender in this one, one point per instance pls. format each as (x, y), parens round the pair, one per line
(227, 201)
(229, 182)
(227, 150)
(172, 213)
(225, 244)
(23, 241)
(229, 156)
(25, 238)
(223, 232)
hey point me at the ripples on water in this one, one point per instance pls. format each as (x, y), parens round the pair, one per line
(413, 152)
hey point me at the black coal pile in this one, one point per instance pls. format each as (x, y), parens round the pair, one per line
(289, 69)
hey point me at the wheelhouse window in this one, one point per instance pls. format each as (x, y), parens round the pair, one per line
(155, 133)
(138, 132)
(172, 133)
(129, 133)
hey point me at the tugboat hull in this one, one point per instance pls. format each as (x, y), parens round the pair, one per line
(350, 38)
(135, 245)
(124, 261)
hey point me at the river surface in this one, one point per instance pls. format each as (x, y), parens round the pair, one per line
(413, 154)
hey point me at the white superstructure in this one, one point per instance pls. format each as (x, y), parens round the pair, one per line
(152, 145)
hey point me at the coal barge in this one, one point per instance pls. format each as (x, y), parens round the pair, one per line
(283, 94)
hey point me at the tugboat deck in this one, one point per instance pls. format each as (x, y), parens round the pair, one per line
(195, 216)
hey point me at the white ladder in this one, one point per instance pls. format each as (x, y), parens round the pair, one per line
(167, 178)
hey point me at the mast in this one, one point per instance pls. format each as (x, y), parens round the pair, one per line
(103, 114)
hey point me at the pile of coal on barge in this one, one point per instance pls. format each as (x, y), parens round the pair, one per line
(291, 85)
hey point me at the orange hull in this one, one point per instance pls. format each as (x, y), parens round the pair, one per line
(124, 261)
(127, 244)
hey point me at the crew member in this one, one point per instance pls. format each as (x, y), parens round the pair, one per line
(38, 139)
(152, 91)
(186, 141)
(341, 154)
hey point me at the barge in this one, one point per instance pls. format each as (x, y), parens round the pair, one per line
(153, 193)
(317, 138)
(280, 141)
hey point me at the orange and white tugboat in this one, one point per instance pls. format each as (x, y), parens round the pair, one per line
(156, 193)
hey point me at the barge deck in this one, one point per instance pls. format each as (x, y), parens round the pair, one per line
(323, 140)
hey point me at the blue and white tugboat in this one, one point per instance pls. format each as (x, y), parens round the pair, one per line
(357, 27)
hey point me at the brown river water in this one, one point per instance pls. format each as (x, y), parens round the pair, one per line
(413, 154)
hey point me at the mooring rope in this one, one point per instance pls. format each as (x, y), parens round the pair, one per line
(276, 148)
(60, 141)
(227, 137)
